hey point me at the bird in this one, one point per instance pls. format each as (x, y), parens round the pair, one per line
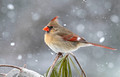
(61, 39)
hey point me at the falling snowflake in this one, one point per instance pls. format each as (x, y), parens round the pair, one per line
(84, 0)
(19, 57)
(12, 43)
(10, 6)
(52, 53)
(114, 18)
(36, 60)
(102, 39)
(64, 24)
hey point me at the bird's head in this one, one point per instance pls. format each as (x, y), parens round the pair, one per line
(52, 26)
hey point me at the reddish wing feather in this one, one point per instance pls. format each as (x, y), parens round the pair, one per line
(72, 37)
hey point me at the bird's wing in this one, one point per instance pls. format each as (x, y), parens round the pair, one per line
(72, 37)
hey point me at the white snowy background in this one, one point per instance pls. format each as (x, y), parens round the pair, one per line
(21, 34)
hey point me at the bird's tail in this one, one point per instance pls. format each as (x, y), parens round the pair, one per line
(98, 45)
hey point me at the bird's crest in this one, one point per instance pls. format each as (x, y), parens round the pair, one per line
(55, 18)
(54, 22)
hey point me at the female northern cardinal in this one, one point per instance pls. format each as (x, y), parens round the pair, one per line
(60, 39)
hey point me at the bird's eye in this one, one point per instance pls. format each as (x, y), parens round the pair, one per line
(50, 27)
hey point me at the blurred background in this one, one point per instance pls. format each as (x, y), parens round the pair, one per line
(22, 37)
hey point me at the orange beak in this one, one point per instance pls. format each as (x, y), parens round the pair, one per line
(46, 28)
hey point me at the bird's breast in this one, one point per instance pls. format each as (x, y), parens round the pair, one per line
(48, 38)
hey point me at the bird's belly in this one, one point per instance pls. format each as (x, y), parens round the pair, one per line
(64, 47)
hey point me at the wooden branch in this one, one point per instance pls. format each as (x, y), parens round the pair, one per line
(11, 66)
(52, 66)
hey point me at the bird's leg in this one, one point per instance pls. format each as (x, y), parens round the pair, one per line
(78, 64)
(60, 54)
(52, 66)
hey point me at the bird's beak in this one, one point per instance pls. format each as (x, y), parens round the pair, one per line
(46, 28)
